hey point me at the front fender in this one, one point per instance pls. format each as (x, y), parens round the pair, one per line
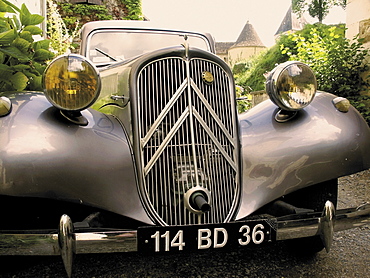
(43, 155)
(319, 144)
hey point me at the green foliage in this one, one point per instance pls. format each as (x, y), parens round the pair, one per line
(133, 9)
(337, 62)
(22, 60)
(240, 68)
(76, 15)
(61, 39)
(316, 8)
(82, 13)
(262, 64)
(243, 98)
(362, 104)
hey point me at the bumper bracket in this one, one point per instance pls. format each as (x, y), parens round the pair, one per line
(67, 243)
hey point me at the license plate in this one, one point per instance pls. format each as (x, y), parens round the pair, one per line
(205, 237)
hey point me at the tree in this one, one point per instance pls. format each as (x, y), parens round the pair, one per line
(316, 8)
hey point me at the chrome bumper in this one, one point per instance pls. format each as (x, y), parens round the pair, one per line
(67, 243)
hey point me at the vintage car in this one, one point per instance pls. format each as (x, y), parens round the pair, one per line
(135, 144)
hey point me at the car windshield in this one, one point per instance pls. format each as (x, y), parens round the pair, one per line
(110, 46)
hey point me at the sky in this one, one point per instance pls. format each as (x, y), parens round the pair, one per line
(225, 19)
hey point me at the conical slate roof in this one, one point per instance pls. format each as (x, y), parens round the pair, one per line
(248, 37)
(291, 22)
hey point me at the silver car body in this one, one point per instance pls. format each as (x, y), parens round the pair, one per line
(108, 165)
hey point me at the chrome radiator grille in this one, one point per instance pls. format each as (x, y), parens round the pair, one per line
(188, 139)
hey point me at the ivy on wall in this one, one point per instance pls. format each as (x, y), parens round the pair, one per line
(75, 15)
(134, 9)
(83, 13)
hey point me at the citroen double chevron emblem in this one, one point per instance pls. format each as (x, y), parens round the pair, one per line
(207, 77)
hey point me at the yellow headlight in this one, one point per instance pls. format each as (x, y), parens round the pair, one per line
(291, 86)
(71, 82)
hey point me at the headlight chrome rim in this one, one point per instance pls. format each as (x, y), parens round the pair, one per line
(291, 85)
(71, 82)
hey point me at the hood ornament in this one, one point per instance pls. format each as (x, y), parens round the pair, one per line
(186, 46)
(207, 76)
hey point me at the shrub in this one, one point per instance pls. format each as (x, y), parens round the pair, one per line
(22, 59)
(261, 64)
(362, 104)
(61, 38)
(134, 10)
(337, 62)
(82, 13)
(243, 99)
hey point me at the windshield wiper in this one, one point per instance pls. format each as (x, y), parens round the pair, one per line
(105, 54)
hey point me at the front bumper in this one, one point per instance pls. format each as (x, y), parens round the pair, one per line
(67, 242)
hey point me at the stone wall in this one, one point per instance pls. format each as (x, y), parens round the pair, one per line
(358, 19)
(242, 54)
(116, 8)
(358, 23)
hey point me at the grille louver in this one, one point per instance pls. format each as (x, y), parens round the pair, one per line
(188, 139)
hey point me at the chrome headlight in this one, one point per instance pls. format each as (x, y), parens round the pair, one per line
(291, 85)
(71, 82)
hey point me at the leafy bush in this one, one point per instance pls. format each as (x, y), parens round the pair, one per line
(22, 59)
(262, 64)
(284, 48)
(61, 38)
(252, 77)
(82, 13)
(362, 104)
(337, 62)
(134, 9)
(244, 99)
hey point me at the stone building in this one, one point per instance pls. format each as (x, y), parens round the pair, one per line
(247, 45)
(291, 23)
(358, 23)
(358, 20)
(222, 50)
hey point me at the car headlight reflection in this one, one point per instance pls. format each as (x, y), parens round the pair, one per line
(291, 86)
(71, 82)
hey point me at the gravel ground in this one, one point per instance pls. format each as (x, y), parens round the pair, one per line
(349, 256)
